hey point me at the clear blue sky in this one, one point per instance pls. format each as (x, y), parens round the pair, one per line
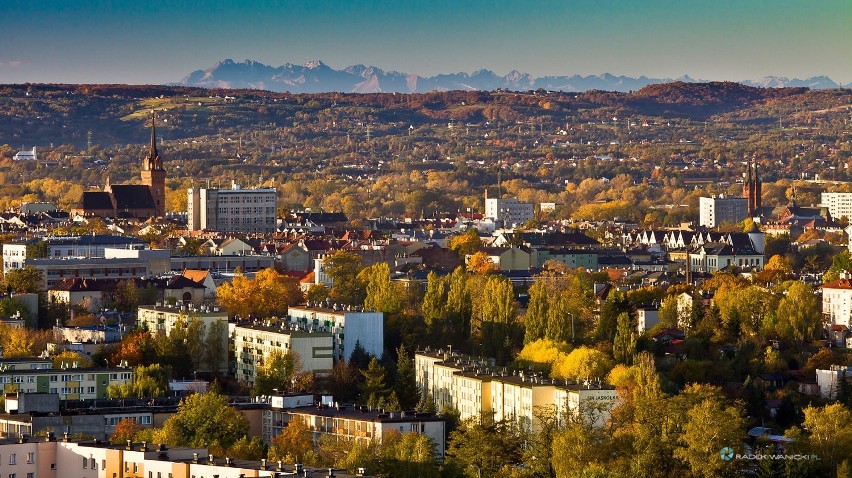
(149, 41)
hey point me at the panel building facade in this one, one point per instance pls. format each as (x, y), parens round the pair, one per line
(232, 210)
(715, 211)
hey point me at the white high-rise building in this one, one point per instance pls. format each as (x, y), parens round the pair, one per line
(232, 210)
(509, 211)
(838, 204)
(714, 211)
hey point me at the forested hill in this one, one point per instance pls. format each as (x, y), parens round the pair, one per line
(63, 114)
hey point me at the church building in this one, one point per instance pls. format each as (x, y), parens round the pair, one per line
(140, 201)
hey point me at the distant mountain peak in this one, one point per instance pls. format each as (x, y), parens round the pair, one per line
(317, 77)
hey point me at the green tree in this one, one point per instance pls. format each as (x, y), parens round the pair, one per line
(616, 303)
(459, 307)
(493, 319)
(215, 352)
(25, 280)
(277, 371)
(799, 317)
(126, 296)
(374, 390)
(434, 307)
(382, 293)
(204, 420)
(830, 435)
(839, 263)
(624, 346)
(406, 388)
(342, 268)
(149, 381)
(409, 455)
(710, 426)
(482, 446)
(247, 448)
(535, 320)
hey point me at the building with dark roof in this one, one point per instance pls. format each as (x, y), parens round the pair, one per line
(140, 201)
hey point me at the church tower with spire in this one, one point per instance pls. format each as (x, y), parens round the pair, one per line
(752, 188)
(153, 174)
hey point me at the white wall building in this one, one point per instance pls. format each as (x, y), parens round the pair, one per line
(509, 211)
(25, 155)
(837, 302)
(838, 204)
(88, 247)
(714, 211)
(474, 386)
(253, 344)
(347, 326)
(232, 210)
(828, 381)
(358, 423)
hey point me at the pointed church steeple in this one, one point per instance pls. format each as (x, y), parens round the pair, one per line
(153, 160)
(153, 174)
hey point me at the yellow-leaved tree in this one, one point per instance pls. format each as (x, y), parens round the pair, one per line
(268, 294)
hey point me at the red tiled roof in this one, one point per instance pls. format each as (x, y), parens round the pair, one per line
(838, 284)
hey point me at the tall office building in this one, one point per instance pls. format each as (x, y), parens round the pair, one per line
(714, 211)
(232, 210)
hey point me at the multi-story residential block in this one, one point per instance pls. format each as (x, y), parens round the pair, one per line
(837, 302)
(473, 386)
(222, 264)
(232, 210)
(348, 327)
(253, 344)
(715, 211)
(164, 318)
(509, 212)
(8, 364)
(87, 247)
(572, 258)
(839, 204)
(71, 383)
(47, 457)
(356, 422)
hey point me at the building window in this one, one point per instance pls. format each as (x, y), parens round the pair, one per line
(31, 457)
(85, 463)
(13, 459)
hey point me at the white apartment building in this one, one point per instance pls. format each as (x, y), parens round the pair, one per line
(838, 204)
(254, 343)
(352, 422)
(510, 211)
(232, 210)
(88, 247)
(39, 457)
(474, 387)
(347, 326)
(837, 302)
(715, 211)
